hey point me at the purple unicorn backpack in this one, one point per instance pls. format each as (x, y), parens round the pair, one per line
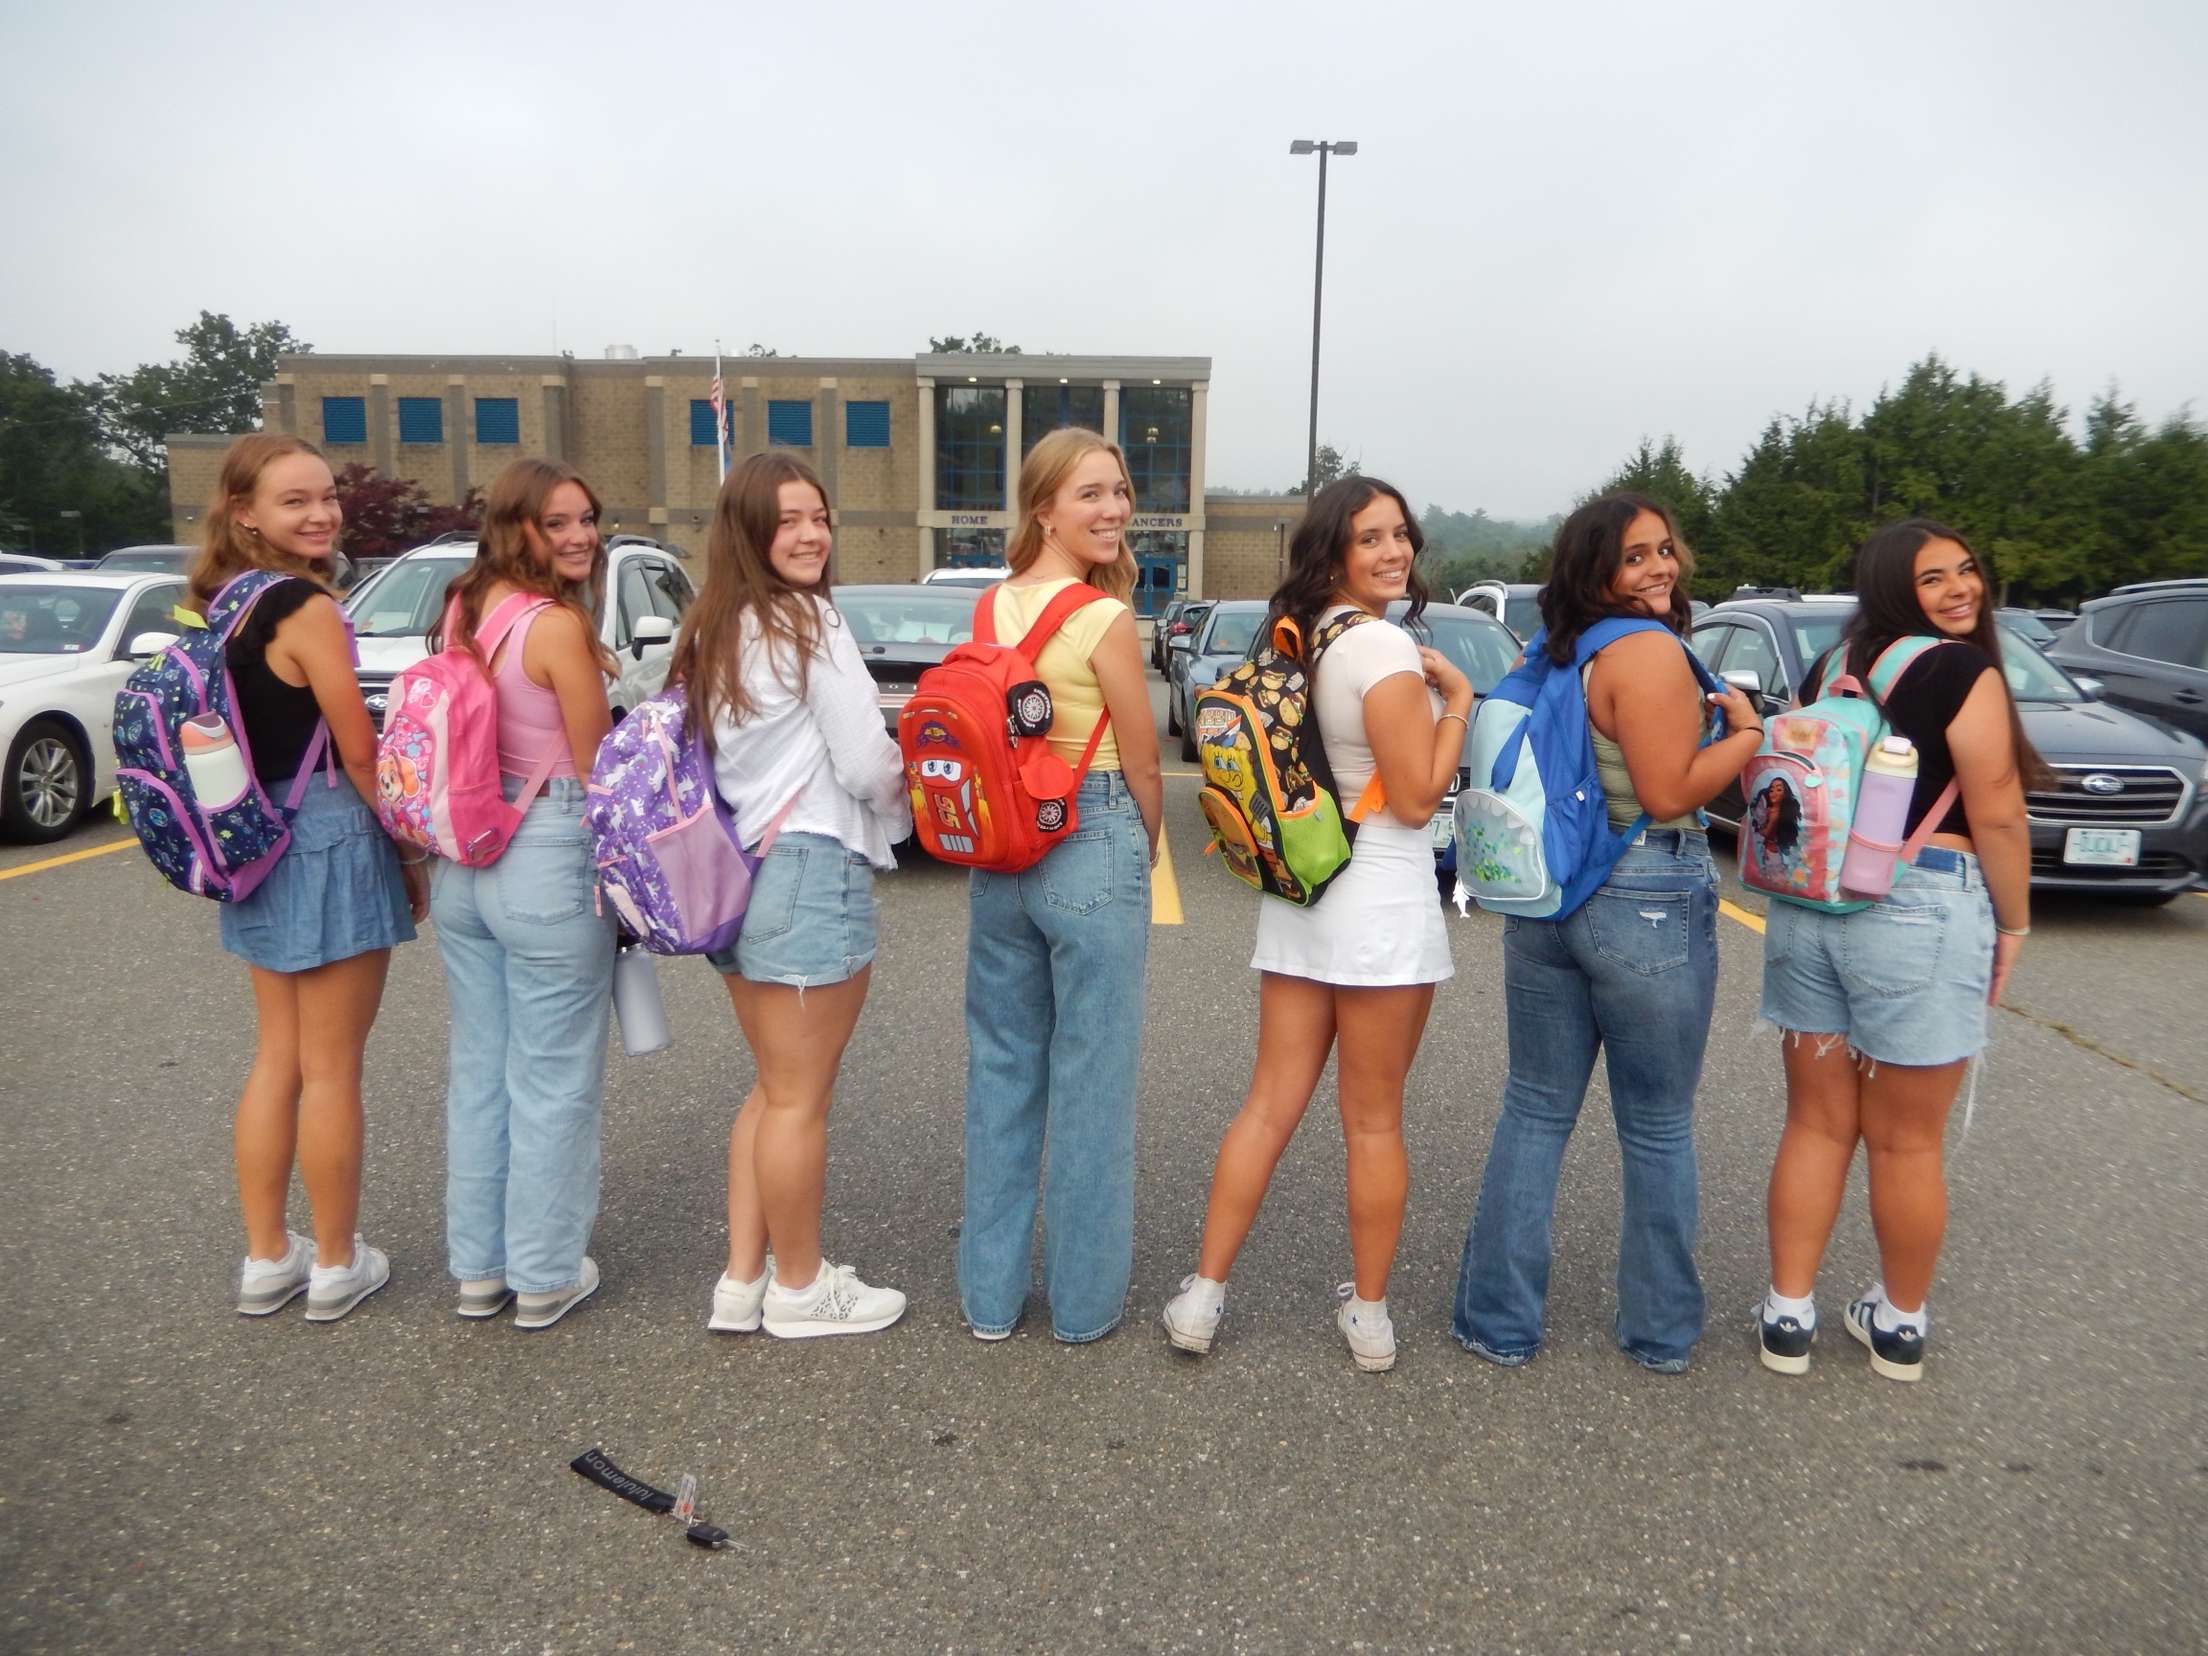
(669, 858)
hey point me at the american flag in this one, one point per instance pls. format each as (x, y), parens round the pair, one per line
(720, 404)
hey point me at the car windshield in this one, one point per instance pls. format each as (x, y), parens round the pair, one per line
(2031, 676)
(1481, 649)
(1523, 615)
(162, 560)
(403, 600)
(1231, 633)
(921, 616)
(2026, 625)
(53, 620)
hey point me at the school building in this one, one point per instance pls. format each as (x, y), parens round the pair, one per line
(919, 454)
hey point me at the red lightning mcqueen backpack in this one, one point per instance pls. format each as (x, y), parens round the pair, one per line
(987, 789)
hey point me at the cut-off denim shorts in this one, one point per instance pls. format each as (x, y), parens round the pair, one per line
(1903, 981)
(810, 921)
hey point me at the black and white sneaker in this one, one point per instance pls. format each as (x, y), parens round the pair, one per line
(1898, 1355)
(1786, 1342)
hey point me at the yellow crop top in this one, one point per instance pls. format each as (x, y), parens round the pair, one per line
(1076, 699)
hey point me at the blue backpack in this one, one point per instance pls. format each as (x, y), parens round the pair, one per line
(220, 848)
(1532, 826)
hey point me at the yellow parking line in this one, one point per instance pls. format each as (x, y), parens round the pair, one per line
(62, 862)
(1165, 891)
(1733, 911)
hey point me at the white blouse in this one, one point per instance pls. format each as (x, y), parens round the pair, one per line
(827, 751)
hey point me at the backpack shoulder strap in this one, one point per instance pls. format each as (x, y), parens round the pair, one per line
(1897, 658)
(1055, 615)
(516, 607)
(1375, 797)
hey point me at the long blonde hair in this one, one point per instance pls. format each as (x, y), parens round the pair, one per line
(1048, 466)
(516, 501)
(740, 576)
(226, 548)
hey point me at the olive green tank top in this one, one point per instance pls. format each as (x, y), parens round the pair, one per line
(1617, 782)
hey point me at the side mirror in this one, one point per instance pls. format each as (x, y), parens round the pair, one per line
(148, 644)
(1744, 678)
(1180, 643)
(2093, 688)
(650, 629)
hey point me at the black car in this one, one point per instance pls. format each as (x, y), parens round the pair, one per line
(902, 631)
(2128, 814)
(2147, 647)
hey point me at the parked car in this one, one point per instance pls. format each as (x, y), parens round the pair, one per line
(2027, 624)
(394, 608)
(966, 575)
(2147, 646)
(147, 560)
(1178, 619)
(1516, 604)
(2128, 813)
(1194, 660)
(1483, 648)
(67, 643)
(903, 630)
(28, 563)
(2055, 621)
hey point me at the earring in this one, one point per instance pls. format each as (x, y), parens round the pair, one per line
(253, 530)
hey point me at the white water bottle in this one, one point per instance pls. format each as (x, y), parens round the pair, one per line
(213, 762)
(637, 1002)
(1881, 822)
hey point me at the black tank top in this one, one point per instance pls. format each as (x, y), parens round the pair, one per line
(1922, 704)
(279, 718)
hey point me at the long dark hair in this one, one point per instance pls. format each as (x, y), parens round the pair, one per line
(1321, 547)
(1886, 608)
(1589, 549)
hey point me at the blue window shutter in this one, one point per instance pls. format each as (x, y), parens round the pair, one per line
(866, 425)
(789, 425)
(344, 420)
(701, 422)
(421, 419)
(497, 420)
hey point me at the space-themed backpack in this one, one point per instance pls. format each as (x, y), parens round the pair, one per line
(988, 791)
(1269, 795)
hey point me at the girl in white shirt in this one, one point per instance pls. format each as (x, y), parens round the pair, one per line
(791, 715)
(1360, 965)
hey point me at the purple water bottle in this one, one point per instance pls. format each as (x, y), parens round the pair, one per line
(1881, 819)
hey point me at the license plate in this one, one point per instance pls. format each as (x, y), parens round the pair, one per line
(1442, 827)
(2108, 847)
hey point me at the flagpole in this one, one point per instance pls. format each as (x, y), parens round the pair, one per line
(720, 412)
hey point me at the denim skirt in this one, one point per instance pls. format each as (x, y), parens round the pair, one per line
(335, 893)
(810, 921)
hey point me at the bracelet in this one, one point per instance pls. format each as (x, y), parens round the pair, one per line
(2012, 931)
(1459, 717)
(413, 862)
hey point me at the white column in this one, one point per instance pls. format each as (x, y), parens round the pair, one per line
(1111, 411)
(1199, 397)
(1013, 419)
(927, 472)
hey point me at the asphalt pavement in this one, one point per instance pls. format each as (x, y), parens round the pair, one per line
(183, 1479)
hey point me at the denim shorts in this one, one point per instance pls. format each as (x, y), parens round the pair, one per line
(1905, 980)
(336, 891)
(810, 921)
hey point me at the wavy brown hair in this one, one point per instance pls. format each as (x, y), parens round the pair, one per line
(1048, 466)
(516, 504)
(1589, 549)
(1320, 550)
(226, 548)
(740, 577)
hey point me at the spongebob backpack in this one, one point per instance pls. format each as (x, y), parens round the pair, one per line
(1269, 793)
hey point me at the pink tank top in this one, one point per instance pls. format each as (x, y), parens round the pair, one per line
(529, 722)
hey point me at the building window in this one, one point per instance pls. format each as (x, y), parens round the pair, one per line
(497, 420)
(421, 419)
(1048, 408)
(1155, 426)
(344, 420)
(866, 425)
(789, 425)
(969, 448)
(701, 421)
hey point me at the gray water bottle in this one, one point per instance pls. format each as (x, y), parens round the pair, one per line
(637, 1003)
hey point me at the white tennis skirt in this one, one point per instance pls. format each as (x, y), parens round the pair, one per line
(1379, 924)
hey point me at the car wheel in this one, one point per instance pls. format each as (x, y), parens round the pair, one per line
(1172, 716)
(1188, 745)
(46, 781)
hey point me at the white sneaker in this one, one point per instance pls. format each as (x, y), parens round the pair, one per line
(266, 1286)
(736, 1304)
(834, 1302)
(334, 1290)
(1365, 1325)
(1192, 1315)
(533, 1311)
(482, 1297)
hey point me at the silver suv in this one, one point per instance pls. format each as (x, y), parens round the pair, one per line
(2147, 646)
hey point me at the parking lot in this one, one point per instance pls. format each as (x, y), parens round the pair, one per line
(185, 1479)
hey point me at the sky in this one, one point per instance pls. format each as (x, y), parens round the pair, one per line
(1567, 226)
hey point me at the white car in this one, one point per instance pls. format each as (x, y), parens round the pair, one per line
(647, 590)
(67, 643)
(967, 575)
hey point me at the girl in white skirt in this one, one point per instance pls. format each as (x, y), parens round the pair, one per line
(1359, 965)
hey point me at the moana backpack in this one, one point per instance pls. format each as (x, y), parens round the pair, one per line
(1269, 794)
(988, 791)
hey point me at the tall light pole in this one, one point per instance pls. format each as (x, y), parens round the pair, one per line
(1324, 147)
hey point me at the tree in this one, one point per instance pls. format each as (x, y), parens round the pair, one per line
(1330, 468)
(385, 516)
(52, 460)
(215, 388)
(980, 344)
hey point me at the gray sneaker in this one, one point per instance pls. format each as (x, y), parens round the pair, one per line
(266, 1286)
(535, 1311)
(483, 1297)
(334, 1290)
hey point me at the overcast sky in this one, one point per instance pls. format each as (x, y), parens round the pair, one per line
(1568, 225)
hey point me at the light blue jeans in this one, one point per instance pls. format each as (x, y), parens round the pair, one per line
(1633, 974)
(1054, 982)
(529, 968)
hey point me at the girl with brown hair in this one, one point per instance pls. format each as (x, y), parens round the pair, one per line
(317, 933)
(778, 689)
(528, 959)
